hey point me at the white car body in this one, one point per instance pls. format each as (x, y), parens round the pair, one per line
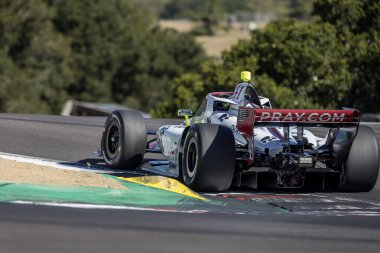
(169, 137)
(267, 140)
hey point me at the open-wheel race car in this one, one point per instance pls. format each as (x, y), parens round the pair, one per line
(237, 139)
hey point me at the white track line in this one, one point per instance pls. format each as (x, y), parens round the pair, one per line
(94, 206)
(56, 164)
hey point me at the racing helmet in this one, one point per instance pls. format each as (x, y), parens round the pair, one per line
(245, 94)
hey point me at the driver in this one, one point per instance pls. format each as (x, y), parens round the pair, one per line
(245, 94)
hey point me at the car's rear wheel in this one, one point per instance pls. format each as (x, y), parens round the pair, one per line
(124, 140)
(208, 160)
(361, 169)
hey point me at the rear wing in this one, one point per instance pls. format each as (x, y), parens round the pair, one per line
(309, 118)
(249, 118)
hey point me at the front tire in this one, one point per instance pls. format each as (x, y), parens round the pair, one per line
(361, 169)
(209, 158)
(124, 140)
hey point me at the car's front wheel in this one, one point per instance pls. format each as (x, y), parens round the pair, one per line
(124, 140)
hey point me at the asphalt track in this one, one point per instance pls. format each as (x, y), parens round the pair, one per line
(315, 222)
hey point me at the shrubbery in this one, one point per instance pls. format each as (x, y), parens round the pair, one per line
(91, 50)
(328, 63)
(108, 51)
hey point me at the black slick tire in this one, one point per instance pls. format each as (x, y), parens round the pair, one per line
(208, 161)
(361, 169)
(124, 140)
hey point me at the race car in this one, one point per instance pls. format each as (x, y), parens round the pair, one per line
(237, 139)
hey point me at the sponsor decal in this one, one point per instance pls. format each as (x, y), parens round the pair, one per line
(223, 117)
(169, 147)
(234, 129)
(302, 116)
(210, 104)
(163, 129)
(268, 138)
(243, 114)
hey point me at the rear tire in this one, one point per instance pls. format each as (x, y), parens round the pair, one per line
(124, 140)
(208, 162)
(361, 169)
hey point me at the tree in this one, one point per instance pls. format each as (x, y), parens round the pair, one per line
(307, 58)
(296, 65)
(91, 50)
(119, 55)
(33, 62)
(343, 14)
(357, 23)
(185, 92)
(100, 33)
(208, 12)
(300, 9)
(167, 54)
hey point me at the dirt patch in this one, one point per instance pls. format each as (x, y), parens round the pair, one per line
(19, 172)
(215, 45)
(178, 25)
